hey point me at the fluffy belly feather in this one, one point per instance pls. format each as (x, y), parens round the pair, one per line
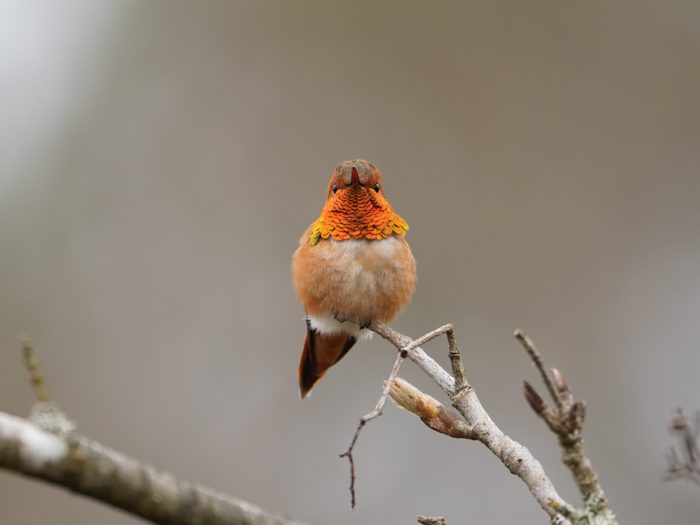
(356, 280)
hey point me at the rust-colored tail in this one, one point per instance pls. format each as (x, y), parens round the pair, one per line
(321, 351)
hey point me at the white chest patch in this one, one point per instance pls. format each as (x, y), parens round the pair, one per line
(385, 247)
(360, 259)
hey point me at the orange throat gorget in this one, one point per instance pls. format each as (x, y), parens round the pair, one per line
(357, 213)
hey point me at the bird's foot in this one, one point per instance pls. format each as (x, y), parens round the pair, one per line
(361, 324)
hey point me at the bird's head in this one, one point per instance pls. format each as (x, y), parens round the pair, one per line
(354, 176)
(356, 206)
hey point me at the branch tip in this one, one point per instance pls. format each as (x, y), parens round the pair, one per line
(31, 363)
(536, 358)
(560, 381)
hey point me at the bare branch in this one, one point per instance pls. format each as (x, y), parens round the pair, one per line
(48, 448)
(404, 350)
(91, 469)
(516, 458)
(567, 423)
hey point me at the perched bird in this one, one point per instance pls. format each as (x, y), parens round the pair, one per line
(353, 266)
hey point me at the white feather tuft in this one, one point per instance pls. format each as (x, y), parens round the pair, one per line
(329, 325)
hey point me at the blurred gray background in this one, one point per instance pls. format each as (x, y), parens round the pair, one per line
(159, 161)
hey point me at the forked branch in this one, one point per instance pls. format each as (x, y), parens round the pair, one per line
(566, 421)
(473, 422)
(403, 352)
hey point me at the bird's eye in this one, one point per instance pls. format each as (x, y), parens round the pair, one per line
(376, 187)
(335, 188)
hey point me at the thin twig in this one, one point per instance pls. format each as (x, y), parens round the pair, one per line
(31, 363)
(369, 417)
(460, 382)
(422, 360)
(428, 337)
(456, 360)
(530, 348)
(45, 413)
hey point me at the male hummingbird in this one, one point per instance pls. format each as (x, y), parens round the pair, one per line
(353, 266)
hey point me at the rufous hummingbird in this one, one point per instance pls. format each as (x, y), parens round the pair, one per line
(353, 266)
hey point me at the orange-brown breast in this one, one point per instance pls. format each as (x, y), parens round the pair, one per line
(358, 280)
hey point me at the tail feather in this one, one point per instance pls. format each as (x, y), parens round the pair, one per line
(320, 352)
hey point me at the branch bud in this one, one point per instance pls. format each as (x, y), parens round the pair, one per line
(409, 397)
(428, 520)
(679, 423)
(563, 389)
(577, 414)
(537, 404)
(430, 411)
(562, 385)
